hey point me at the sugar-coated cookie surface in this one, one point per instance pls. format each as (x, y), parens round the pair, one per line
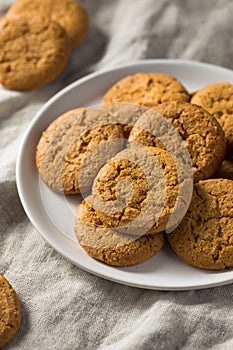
(203, 135)
(109, 246)
(33, 51)
(217, 99)
(73, 148)
(67, 13)
(205, 236)
(9, 312)
(147, 89)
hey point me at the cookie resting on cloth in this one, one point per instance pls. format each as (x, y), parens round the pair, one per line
(33, 51)
(9, 312)
(67, 13)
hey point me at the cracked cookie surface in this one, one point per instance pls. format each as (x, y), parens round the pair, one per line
(147, 89)
(112, 247)
(136, 192)
(203, 135)
(33, 51)
(126, 114)
(9, 312)
(74, 147)
(205, 236)
(67, 13)
(217, 99)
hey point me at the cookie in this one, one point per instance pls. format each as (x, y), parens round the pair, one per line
(67, 13)
(217, 99)
(201, 132)
(205, 237)
(147, 89)
(136, 192)
(125, 113)
(74, 147)
(33, 51)
(225, 170)
(107, 245)
(9, 312)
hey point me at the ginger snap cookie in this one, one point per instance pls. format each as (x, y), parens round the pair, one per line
(225, 170)
(147, 89)
(217, 99)
(70, 15)
(136, 192)
(125, 113)
(9, 312)
(33, 51)
(75, 146)
(109, 246)
(201, 132)
(205, 236)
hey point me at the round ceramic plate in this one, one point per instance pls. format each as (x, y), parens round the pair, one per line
(53, 214)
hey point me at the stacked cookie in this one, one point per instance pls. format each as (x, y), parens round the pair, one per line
(138, 157)
(217, 99)
(36, 38)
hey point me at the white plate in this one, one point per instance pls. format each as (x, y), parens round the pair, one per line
(53, 214)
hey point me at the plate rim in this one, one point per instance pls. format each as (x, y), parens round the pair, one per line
(31, 125)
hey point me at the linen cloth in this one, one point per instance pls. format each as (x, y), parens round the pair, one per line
(64, 307)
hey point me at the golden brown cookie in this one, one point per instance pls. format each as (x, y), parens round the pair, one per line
(137, 191)
(203, 135)
(205, 236)
(67, 13)
(107, 245)
(217, 99)
(33, 51)
(147, 89)
(75, 146)
(9, 312)
(125, 113)
(225, 170)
